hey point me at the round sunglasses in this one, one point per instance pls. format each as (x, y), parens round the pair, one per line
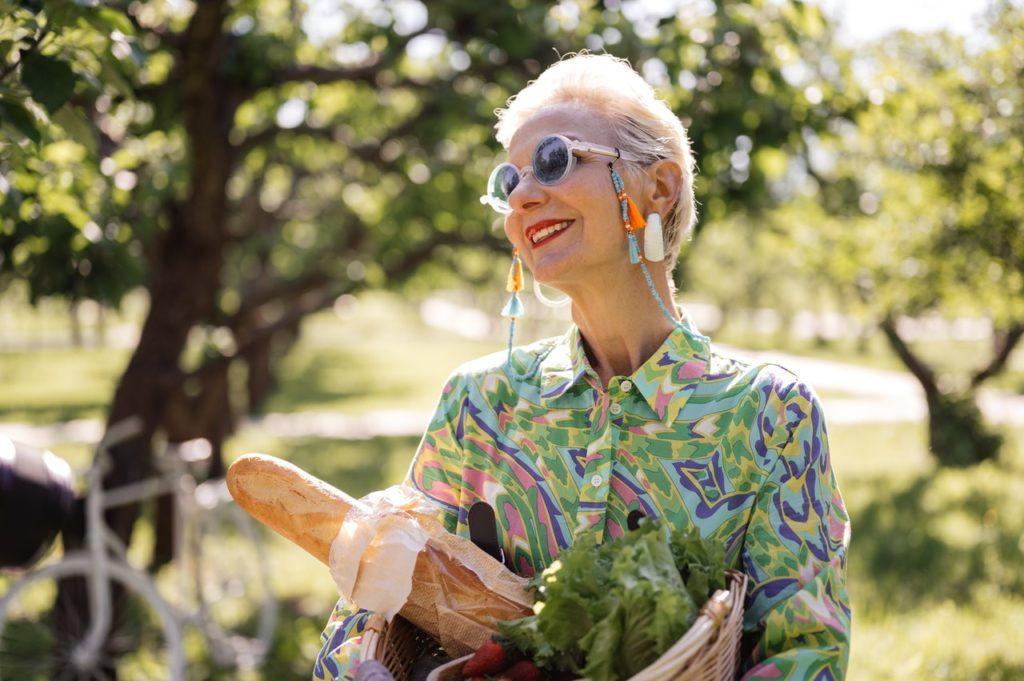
(553, 160)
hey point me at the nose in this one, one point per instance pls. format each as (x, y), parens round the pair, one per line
(528, 194)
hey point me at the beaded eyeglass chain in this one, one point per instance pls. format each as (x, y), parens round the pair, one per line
(633, 220)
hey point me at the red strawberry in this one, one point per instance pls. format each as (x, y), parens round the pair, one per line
(489, 659)
(524, 670)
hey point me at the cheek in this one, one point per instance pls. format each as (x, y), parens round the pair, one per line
(595, 199)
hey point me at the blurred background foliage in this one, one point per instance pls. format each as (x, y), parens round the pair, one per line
(218, 176)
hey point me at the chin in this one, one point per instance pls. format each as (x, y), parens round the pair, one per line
(552, 274)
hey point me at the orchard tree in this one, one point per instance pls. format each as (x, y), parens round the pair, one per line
(940, 161)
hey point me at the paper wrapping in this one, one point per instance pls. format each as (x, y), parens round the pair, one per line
(393, 555)
(388, 551)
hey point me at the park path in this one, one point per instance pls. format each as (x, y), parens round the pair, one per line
(868, 395)
(860, 395)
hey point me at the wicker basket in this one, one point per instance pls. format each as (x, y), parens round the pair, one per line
(708, 651)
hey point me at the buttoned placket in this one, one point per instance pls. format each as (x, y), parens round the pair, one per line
(608, 421)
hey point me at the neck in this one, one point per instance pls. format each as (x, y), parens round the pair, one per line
(621, 325)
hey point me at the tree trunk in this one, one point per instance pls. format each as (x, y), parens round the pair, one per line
(957, 434)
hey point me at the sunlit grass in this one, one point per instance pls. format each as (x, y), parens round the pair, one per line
(934, 564)
(935, 561)
(58, 385)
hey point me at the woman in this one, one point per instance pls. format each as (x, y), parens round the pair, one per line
(632, 410)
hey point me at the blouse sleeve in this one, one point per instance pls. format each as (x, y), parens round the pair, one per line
(339, 651)
(435, 471)
(797, 620)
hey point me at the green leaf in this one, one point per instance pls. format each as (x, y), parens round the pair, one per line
(116, 20)
(602, 644)
(106, 19)
(16, 115)
(77, 126)
(110, 74)
(50, 80)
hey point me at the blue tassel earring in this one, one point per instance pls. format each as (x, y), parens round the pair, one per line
(514, 307)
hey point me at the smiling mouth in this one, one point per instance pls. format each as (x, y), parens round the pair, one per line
(539, 237)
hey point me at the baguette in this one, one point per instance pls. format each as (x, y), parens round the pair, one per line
(458, 592)
(300, 507)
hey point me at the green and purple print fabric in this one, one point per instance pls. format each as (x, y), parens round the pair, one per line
(737, 450)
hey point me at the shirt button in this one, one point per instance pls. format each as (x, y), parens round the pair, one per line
(616, 408)
(596, 480)
(626, 386)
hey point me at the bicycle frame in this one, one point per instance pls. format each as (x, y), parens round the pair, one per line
(100, 542)
(104, 549)
(103, 559)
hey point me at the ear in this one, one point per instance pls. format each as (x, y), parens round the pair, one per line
(664, 184)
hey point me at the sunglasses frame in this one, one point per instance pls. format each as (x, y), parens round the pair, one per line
(577, 148)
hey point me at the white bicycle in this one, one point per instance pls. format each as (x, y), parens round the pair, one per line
(143, 636)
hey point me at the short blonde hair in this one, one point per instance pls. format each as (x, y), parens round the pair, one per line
(643, 123)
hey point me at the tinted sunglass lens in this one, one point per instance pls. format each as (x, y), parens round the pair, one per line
(503, 180)
(550, 160)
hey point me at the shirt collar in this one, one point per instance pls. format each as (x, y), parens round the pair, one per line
(564, 366)
(666, 380)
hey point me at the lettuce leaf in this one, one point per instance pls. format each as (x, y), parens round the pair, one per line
(608, 611)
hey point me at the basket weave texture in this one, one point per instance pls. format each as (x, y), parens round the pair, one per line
(708, 651)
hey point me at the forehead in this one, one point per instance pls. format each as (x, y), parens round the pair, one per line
(571, 120)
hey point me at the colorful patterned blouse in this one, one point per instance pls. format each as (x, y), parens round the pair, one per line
(738, 450)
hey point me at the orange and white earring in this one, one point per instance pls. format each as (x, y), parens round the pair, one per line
(654, 239)
(632, 220)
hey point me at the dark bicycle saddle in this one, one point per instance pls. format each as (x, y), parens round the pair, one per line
(36, 497)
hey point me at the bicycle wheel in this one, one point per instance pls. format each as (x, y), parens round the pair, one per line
(144, 641)
(236, 609)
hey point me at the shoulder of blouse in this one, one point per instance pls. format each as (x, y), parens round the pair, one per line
(780, 380)
(524, 364)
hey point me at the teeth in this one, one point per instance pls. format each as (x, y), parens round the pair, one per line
(547, 231)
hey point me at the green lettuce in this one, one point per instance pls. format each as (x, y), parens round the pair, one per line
(607, 611)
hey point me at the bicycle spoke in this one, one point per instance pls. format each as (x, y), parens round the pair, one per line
(136, 649)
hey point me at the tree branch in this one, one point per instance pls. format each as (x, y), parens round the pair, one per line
(922, 372)
(269, 134)
(369, 152)
(364, 73)
(277, 291)
(306, 305)
(322, 74)
(1005, 343)
(249, 211)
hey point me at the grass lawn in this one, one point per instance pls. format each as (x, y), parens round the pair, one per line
(58, 385)
(935, 558)
(383, 357)
(935, 567)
